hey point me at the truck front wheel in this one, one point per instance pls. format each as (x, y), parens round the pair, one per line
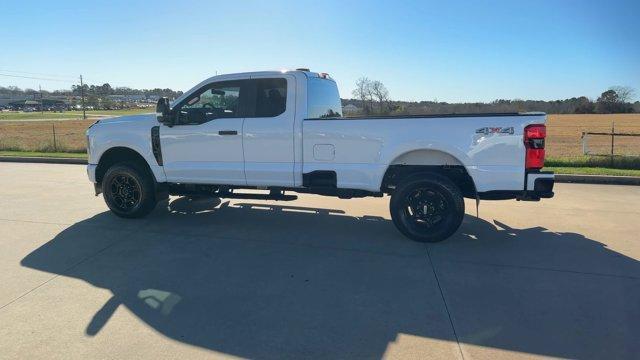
(128, 190)
(427, 207)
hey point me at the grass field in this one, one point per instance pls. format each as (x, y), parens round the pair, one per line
(564, 148)
(564, 132)
(617, 162)
(39, 135)
(593, 171)
(68, 115)
(44, 154)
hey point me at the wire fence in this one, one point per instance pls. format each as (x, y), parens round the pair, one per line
(610, 143)
(45, 136)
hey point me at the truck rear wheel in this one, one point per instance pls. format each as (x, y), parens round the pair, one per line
(427, 208)
(128, 190)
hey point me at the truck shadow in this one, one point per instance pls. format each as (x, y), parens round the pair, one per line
(269, 281)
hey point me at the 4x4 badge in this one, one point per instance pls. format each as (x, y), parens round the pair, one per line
(495, 130)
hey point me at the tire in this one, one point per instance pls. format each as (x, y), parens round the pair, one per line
(129, 190)
(427, 207)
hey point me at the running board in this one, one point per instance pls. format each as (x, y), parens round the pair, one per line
(279, 196)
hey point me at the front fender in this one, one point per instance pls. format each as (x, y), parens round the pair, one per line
(134, 135)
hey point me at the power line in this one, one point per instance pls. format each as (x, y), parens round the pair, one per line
(35, 73)
(36, 78)
(49, 77)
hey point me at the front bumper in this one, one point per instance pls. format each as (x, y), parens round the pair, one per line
(91, 172)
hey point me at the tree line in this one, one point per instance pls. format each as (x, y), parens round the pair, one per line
(106, 89)
(95, 90)
(372, 98)
(96, 96)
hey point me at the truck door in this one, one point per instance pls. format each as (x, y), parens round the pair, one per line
(205, 144)
(268, 131)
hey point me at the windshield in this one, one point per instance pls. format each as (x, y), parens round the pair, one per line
(323, 99)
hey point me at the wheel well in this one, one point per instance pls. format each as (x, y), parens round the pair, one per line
(428, 157)
(120, 154)
(458, 174)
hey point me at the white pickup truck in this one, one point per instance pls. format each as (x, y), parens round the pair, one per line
(283, 132)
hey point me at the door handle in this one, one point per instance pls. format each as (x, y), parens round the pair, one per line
(227, 132)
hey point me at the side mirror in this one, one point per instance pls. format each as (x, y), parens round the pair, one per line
(163, 111)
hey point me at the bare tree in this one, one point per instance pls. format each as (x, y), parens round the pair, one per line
(380, 92)
(625, 93)
(362, 92)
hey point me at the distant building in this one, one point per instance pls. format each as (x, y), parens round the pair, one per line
(350, 109)
(7, 101)
(46, 103)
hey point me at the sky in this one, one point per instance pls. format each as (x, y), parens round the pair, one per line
(455, 51)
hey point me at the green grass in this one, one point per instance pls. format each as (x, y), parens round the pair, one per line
(595, 165)
(44, 154)
(17, 116)
(49, 115)
(593, 171)
(618, 162)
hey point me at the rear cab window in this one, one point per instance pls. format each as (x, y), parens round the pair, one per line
(323, 99)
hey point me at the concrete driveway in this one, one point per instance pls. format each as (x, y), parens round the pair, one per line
(314, 278)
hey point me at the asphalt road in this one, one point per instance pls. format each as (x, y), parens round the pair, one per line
(314, 278)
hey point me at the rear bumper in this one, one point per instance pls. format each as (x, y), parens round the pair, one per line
(538, 185)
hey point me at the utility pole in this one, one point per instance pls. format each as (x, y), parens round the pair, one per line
(41, 101)
(84, 112)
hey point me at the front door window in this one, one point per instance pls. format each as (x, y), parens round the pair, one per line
(217, 101)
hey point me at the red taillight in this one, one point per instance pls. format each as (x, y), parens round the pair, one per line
(535, 132)
(534, 144)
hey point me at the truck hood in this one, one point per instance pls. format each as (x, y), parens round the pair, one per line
(150, 118)
(111, 128)
(132, 132)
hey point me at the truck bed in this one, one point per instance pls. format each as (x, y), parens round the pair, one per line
(360, 149)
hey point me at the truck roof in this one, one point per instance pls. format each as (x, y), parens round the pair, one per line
(231, 76)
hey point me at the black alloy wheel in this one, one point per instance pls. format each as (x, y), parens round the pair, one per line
(427, 207)
(125, 191)
(129, 190)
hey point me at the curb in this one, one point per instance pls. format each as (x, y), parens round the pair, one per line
(598, 179)
(559, 178)
(43, 160)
